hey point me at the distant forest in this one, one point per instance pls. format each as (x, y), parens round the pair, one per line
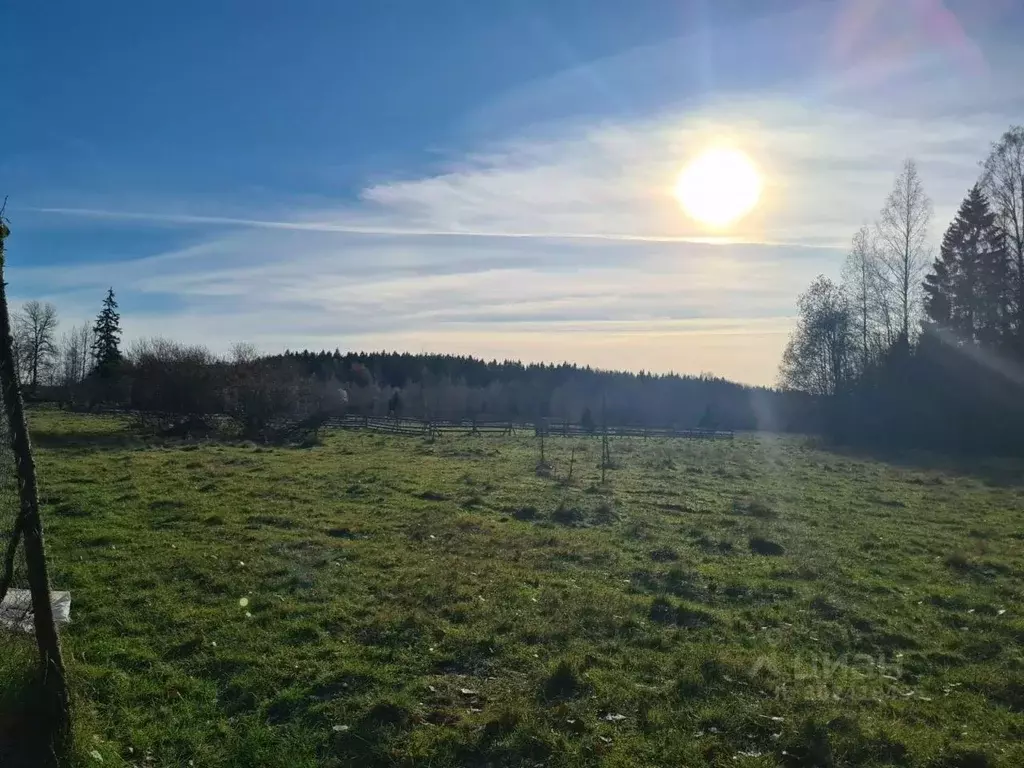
(454, 387)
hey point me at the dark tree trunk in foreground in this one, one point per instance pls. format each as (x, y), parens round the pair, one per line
(54, 679)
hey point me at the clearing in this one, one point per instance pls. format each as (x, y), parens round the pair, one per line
(385, 600)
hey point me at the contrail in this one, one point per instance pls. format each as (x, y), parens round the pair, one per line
(357, 229)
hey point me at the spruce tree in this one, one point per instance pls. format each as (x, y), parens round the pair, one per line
(966, 292)
(937, 287)
(106, 349)
(995, 284)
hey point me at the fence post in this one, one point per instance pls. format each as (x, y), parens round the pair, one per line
(604, 437)
(47, 640)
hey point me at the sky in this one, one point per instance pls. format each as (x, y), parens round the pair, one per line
(493, 179)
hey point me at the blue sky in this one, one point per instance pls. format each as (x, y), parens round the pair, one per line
(485, 178)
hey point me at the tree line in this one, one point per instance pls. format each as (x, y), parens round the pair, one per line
(86, 367)
(913, 348)
(456, 387)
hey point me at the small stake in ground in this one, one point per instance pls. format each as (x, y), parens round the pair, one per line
(606, 456)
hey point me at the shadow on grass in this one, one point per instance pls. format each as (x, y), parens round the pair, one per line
(84, 441)
(131, 437)
(999, 471)
(24, 731)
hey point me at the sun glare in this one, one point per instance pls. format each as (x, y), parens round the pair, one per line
(719, 187)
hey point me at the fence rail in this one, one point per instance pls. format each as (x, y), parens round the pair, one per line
(422, 427)
(427, 427)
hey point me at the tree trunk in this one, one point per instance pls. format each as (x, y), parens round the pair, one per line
(54, 679)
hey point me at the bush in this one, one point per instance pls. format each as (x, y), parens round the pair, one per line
(562, 683)
(273, 402)
(564, 515)
(604, 512)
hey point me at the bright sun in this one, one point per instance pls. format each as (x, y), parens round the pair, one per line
(719, 187)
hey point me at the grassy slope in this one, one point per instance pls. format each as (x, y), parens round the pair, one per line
(414, 603)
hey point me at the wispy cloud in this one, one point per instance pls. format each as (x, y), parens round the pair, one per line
(356, 229)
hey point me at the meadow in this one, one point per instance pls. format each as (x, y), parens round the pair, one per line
(384, 600)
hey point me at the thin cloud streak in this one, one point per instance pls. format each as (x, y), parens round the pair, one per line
(354, 229)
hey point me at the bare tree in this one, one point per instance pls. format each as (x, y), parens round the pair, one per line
(902, 232)
(35, 328)
(864, 289)
(1003, 181)
(244, 352)
(819, 356)
(75, 354)
(885, 334)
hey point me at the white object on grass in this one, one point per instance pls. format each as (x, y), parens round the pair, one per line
(16, 609)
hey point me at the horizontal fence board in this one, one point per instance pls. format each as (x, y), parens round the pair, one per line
(420, 427)
(415, 426)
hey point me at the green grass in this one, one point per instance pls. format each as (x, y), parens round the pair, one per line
(388, 601)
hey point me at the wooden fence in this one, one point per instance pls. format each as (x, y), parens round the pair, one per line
(423, 428)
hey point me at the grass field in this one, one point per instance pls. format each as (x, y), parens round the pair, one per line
(389, 601)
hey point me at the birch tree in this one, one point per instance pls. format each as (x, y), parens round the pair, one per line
(75, 354)
(1003, 181)
(902, 231)
(862, 286)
